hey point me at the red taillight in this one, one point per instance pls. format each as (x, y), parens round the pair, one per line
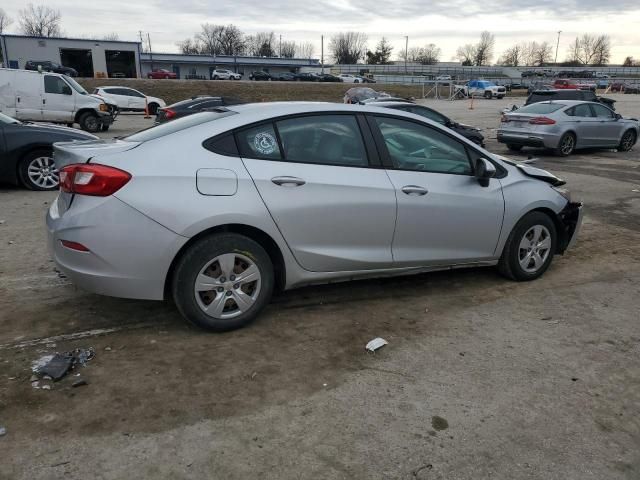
(74, 246)
(542, 121)
(168, 113)
(92, 179)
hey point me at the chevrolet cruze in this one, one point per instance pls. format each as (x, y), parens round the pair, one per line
(218, 209)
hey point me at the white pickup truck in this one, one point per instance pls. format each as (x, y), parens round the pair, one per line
(482, 88)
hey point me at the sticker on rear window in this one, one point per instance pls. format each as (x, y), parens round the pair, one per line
(265, 143)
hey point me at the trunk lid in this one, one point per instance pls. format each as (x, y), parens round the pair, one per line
(66, 153)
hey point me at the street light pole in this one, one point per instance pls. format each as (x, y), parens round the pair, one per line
(406, 52)
(322, 52)
(557, 46)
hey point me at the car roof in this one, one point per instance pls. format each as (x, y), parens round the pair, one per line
(568, 103)
(394, 103)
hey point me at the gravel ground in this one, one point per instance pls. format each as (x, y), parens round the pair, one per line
(483, 378)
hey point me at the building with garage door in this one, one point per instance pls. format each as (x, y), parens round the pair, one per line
(90, 58)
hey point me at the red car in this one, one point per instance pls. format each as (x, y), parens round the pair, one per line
(563, 84)
(616, 87)
(161, 73)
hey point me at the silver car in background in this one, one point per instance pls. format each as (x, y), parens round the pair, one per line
(218, 209)
(567, 125)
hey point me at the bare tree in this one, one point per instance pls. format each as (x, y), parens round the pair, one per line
(231, 41)
(305, 50)
(466, 54)
(427, 55)
(288, 49)
(209, 38)
(262, 44)
(484, 49)
(629, 62)
(190, 47)
(590, 50)
(39, 21)
(541, 53)
(348, 47)
(512, 57)
(111, 36)
(5, 21)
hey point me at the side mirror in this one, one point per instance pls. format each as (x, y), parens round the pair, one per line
(66, 90)
(485, 170)
(618, 116)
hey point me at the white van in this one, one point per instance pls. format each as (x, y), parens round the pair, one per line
(51, 97)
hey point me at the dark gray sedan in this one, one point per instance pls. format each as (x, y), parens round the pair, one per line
(26, 152)
(567, 125)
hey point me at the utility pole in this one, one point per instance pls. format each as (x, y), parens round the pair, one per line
(150, 52)
(557, 46)
(322, 52)
(406, 52)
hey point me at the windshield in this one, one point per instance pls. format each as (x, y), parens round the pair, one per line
(75, 85)
(541, 108)
(176, 125)
(7, 119)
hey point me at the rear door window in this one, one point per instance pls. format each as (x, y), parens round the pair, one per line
(323, 139)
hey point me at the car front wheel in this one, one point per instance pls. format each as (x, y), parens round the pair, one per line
(223, 281)
(89, 122)
(530, 247)
(628, 141)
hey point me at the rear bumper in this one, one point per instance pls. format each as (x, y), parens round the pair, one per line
(129, 254)
(526, 139)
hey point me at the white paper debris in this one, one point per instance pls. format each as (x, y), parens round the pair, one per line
(36, 365)
(375, 344)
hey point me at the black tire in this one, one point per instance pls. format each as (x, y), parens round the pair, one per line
(514, 148)
(197, 257)
(104, 127)
(488, 95)
(500, 97)
(566, 145)
(627, 141)
(215, 77)
(153, 108)
(89, 122)
(30, 160)
(509, 264)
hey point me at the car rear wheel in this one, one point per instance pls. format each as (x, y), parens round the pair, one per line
(514, 148)
(628, 141)
(530, 247)
(38, 171)
(89, 122)
(223, 281)
(566, 145)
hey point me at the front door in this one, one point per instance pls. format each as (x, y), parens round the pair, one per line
(444, 215)
(335, 212)
(608, 128)
(58, 102)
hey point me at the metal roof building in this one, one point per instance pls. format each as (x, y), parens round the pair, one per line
(201, 66)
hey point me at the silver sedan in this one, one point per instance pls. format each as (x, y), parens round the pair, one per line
(220, 208)
(567, 125)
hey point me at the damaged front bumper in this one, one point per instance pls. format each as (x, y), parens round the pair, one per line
(570, 219)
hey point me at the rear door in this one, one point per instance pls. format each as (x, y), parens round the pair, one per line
(444, 215)
(582, 121)
(57, 100)
(317, 176)
(29, 88)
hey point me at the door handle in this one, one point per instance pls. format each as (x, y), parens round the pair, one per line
(288, 181)
(414, 190)
(18, 98)
(44, 100)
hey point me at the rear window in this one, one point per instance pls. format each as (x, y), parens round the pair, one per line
(176, 126)
(541, 108)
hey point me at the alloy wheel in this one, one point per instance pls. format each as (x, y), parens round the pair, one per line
(228, 286)
(567, 145)
(42, 172)
(627, 141)
(535, 248)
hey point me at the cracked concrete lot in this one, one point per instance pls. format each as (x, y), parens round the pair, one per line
(483, 378)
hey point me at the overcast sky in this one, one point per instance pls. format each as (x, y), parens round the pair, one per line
(447, 23)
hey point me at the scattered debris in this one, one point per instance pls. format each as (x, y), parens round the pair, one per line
(428, 466)
(55, 367)
(79, 383)
(324, 384)
(11, 242)
(60, 464)
(3, 431)
(2, 222)
(574, 379)
(439, 423)
(107, 349)
(375, 344)
(635, 190)
(253, 375)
